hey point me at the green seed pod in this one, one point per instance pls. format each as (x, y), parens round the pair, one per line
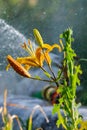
(38, 37)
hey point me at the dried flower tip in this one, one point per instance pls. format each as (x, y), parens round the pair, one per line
(41, 109)
(18, 67)
(24, 46)
(18, 121)
(61, 43)
(38, 37)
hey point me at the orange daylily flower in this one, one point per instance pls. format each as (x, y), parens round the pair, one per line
(35, 60)
(41, 43)
(45, 46)
(36, 56)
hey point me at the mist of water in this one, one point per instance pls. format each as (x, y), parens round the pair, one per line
(10, 42)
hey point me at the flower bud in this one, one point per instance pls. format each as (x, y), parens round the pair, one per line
(17, 67)
(38, 37)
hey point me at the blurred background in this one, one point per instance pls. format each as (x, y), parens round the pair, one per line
(51, 17)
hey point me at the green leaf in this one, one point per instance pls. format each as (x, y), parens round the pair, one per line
(61, 120)
(37, 77)
(55, 108)
(30, 124)
(59, 75)
(47, 74)
(61, 35)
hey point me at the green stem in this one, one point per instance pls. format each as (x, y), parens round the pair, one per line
(50, 68)
(41, 79)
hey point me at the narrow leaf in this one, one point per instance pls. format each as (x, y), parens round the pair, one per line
(47, 74)
(37, 77)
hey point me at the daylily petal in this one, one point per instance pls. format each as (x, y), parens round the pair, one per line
(27, 67)
(47, 46)
(17, 67)
(41, 60)
(56, 46)
(47, 58)
(31, 61)
(38, 53)
(39, 56)
(51, 47)
(8, 67)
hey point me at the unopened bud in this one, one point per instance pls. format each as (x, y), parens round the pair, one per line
(38, 37)
(18, 67)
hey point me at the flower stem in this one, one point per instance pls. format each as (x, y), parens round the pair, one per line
(50, 68)
(45, 80)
